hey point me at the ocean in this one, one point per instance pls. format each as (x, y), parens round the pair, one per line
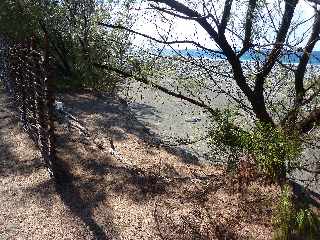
(288, 57)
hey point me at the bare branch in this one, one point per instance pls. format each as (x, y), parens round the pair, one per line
(181, 8)
(170, 12)
(314, 1)
(248, 27)
(271, 18)
(301, 69)
(273, 56)
(220, 40)
(158, 40)
(294, 28)
(144, 80)
(309, 170)
(225, 16)
(257, 102)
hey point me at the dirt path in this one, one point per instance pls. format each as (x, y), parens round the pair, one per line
(151, 193)
(30, 206)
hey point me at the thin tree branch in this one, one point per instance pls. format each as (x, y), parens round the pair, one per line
(170, 12)
(258, 104)
(220, 40)
(159, 40)
(248, 27)
(144, 80)
(290, 6)
(301, 69)
(225, 17)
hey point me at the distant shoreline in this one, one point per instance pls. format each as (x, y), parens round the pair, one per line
(291, 58)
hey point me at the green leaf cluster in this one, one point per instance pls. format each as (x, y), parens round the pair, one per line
(292, 222)
(274, 151)
(18, 19)
(284, 216)
(76, 40)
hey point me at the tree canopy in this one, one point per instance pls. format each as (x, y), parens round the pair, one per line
(269, 88)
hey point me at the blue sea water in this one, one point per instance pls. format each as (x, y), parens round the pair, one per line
(289, 57)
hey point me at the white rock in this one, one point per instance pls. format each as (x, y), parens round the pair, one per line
(58, 105)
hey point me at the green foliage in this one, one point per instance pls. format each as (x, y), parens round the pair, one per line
(292, 223)
(18, 19)
(307, 224)
(284, 216)
(77, 42)
(81, 44)
(274, 150)
(226, 135)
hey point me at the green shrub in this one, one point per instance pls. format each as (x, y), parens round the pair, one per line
(294, 222)
(307, 224)
(275, 152)
(284, 216)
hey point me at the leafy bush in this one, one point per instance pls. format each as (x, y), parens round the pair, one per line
(293, 222)
(274, 151)
(283, 219)
(77, 43)
(308, 224)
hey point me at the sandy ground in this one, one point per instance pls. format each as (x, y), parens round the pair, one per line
(170, 118)
(149, 192)
(30, 208)
(173, 119)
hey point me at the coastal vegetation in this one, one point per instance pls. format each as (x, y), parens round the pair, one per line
(263, 114)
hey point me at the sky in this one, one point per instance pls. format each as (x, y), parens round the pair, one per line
(148, 24)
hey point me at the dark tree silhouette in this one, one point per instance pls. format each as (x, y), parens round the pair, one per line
(219, 25)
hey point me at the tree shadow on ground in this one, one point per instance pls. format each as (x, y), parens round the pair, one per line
(138, 184)
(9, 164)
(305, 196)
(82, 207)
(193, 226)
(146, 186)
(81, 196)
(195, 222)
(133, 181)
(116, 118)
(94, 179)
